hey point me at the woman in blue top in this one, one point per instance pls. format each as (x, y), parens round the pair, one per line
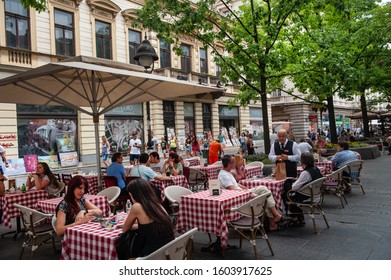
(75, 209)
(105, 150)
(148, 217)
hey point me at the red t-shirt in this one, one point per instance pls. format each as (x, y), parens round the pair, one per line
(214, 148)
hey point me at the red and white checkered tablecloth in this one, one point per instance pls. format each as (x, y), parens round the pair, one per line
(211, 170)
(93, 187)
(321, 168)
(29, 199)
(252, 171)
(206, 212)
(328, 165)
(89, 241)
(194, 161)
(178, 180)
(49, 205)
(276, 187)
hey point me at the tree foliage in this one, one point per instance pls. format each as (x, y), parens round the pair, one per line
(247, 41)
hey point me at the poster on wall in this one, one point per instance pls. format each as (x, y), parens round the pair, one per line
(69, 159)
(181, 139)
(234, 137)
(15, 167)
(226, 141)
(119, 131)
(30, 162)
(38, 136)
(66, 144)
(52, 161)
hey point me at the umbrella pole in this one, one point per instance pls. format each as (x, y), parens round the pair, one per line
(97, 147)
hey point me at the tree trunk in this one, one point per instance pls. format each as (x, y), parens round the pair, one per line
(364, 111)
(332, 125)
(266, 132)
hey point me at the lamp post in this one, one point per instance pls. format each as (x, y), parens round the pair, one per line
(146, 56)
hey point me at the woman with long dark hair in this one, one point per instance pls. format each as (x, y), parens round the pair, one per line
(43, 179)
(149, 217)
(75, 209)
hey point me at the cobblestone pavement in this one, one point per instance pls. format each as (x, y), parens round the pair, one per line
(360, 231)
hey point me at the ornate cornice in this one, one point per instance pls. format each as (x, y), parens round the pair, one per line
(105, 8)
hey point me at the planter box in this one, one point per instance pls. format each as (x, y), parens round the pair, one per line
(370, 152)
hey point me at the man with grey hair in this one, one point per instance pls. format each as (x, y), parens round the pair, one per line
(287, 151)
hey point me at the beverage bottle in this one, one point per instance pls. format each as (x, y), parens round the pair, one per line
(23, 188)
(128, 205)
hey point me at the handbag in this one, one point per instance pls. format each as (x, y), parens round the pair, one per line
(280, 171)
(129, 245)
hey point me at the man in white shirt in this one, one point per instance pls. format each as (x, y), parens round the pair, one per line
(287, 151)
(134, 148)
(155, 163)
(304, 146)
(227, 181)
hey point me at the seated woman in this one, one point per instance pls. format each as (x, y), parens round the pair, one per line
(148, 216)
(309, 174)
(43, 179)
(172, 166)
(238, 171)
(75, 209)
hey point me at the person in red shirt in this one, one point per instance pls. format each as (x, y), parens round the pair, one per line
(215, 150)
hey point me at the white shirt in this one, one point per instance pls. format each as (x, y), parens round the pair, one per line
(304, 147)
(157, 167)
(134, 150)
(226, 179)
(295, 148)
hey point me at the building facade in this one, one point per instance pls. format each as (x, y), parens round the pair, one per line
(104, 29)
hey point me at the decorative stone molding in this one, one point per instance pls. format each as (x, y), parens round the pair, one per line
(70, 3)
(139, 2)
(105, 8)
(129, 15)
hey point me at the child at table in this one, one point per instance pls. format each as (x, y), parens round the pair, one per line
(75, 209)
(148, 217)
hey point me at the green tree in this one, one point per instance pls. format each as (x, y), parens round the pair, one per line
(332, 40)
(252, 51)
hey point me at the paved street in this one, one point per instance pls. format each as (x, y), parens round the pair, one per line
(360, 231)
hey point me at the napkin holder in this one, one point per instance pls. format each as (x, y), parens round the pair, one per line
(214, 187)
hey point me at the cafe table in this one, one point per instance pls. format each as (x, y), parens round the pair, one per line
(29, 199)
(252, 171)
(207, 212)
(275, 186)
(93, 186)
(90, 241)
(322, 170)
(211, 170)
(179, 180)
(193, 161)
(328, 165)
(49, 205)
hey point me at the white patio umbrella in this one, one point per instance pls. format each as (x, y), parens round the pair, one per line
(93, 86)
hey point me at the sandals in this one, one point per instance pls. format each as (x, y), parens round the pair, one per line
(284, 221)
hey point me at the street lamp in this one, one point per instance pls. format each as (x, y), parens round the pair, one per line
(146, 55)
